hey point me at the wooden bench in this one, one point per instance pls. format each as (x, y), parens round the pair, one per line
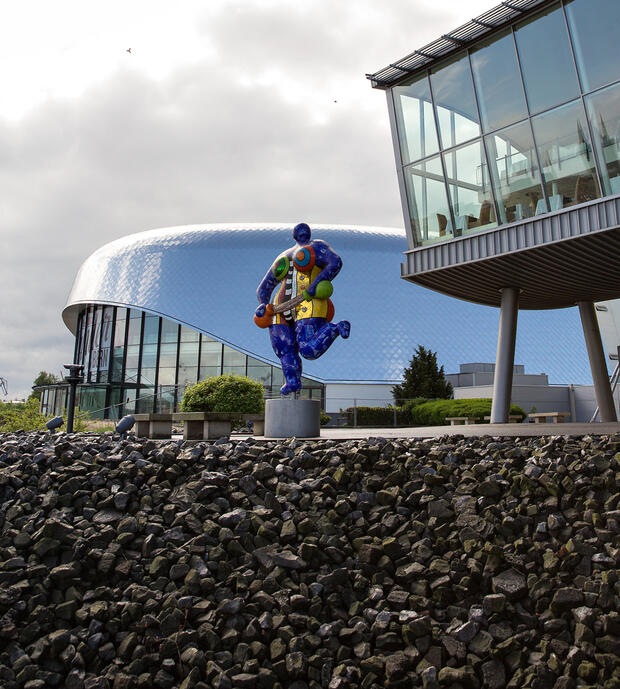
(555, 416)
(458, 420)
(512, 418)
(196, 425)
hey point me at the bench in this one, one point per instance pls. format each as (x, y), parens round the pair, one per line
(555, 416)
(512, 418)
(458, 420)
(196, 425)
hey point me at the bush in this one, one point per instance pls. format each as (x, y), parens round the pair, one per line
(434, 413)
(377, 416)
(237, 394)
(325, 418)
(22, 417)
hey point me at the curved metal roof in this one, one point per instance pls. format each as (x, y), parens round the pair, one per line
(206, 276)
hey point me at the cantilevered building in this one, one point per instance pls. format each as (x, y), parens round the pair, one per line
(507, 141)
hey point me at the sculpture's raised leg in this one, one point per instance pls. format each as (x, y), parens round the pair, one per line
(315, 335)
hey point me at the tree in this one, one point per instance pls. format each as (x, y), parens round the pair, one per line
(423, 378)
(44, 378)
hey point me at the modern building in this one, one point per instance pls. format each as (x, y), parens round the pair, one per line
(156, 311)
(506, 135)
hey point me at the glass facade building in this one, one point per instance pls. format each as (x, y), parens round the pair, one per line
(138, 362)
(521, 123)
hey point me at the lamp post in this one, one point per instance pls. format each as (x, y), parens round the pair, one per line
(74, 378)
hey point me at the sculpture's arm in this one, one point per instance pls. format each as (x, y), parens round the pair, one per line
(328, 261)
(264, 291)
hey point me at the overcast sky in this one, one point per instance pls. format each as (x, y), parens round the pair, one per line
(222, 111)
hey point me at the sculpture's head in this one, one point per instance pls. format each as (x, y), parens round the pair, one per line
(301, 233)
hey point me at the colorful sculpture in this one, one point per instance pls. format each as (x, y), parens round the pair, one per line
(299, 317)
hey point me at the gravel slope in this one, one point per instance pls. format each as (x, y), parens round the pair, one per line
(370, 563)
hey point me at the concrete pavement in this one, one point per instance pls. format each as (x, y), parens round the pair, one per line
(520, 430)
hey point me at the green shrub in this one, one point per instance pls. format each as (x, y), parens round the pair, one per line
(376, 416)
(325, 418)
(22, 417)
(434, 413)
(231, 393)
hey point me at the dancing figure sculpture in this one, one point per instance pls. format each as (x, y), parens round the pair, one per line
(299, 319)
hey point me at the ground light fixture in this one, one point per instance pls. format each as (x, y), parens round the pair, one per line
(54, 423)
(125, 424)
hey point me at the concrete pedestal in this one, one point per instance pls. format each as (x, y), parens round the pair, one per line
(285, 418)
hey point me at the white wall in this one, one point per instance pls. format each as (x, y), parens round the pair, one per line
(543, 397)
(547, 398)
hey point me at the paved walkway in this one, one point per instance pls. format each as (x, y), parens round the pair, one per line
(520, 430)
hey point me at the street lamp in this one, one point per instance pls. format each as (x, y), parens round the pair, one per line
(74, 378)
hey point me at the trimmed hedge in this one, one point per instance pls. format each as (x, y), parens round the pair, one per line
(434, 413)
(238, 394)
(377, 416)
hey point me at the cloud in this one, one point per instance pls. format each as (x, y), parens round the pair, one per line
(250, 132)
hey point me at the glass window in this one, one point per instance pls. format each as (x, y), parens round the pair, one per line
(106, 341)
(257, 370)
(135, 328)
(165, 399)
(546, 60)
(151, 329)
(565, 156)
(168, 355)
(116, 373)
(96, 335)
(79, 337)
(594, 27)
(604, 113)
(146, 399)
(453, 93)
(514, 172)
(189, 335)
(416, 123)
(167, 376)
(92, 400)
(234, 362)
(131, 375)
(209, 372)
(119, 332)
(147, 375)
(130, 401)
(428, 203)
(498, 82)
(115, 409)
(188, 354)
(169, 331)
(188, 375)
(211, 355)
(149, 355)
(133, 356)
(469, 187)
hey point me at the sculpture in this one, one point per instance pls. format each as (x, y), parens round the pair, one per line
(299, 317)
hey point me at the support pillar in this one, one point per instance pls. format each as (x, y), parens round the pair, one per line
(504, 362)
(598, 366)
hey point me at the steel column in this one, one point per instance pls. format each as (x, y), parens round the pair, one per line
(598, 366)
(504, 362)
